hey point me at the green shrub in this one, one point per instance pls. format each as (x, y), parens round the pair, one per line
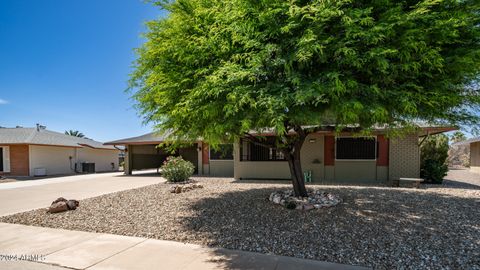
(176, 169)
(434, 154)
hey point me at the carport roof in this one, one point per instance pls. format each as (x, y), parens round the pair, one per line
(40, 136)
(149, 138)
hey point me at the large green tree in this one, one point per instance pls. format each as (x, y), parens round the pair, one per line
(218, 69)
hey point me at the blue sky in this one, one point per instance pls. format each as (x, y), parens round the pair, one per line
(65, 64)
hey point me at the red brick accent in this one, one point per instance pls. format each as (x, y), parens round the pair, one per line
(19, 160)
(329, 150)
(382, 159)
(205, 154)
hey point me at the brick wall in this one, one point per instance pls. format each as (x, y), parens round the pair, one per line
(19, 160)
(404, 157)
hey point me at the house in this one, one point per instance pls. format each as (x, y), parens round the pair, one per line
(474, 153)
(142, 153)
(37, 151)
(329, 158)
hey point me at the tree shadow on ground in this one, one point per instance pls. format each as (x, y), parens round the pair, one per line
(384, 228)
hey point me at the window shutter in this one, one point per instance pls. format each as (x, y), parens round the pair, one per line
(329, 151)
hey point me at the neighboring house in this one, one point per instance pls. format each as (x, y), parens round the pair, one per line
(474, 153)
(37, 151)
(330, 159)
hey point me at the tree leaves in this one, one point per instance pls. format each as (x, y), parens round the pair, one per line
(217, 69)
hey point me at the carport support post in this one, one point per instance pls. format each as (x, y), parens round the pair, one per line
(128, 160)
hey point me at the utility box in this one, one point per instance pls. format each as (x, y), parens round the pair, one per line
(88, 167)
(39, 172)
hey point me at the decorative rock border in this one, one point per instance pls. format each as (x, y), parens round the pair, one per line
(184, 187)
(316, 199)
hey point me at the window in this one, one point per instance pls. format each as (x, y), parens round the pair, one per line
(356, 148)
(254, 152)
(224, 152)
(1, 159)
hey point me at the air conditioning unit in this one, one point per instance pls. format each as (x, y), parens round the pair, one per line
(39, 172)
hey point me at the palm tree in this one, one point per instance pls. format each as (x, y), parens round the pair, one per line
(75, 133)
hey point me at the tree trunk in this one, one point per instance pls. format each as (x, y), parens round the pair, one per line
(293, 158)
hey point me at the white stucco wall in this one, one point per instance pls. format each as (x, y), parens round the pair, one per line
(56, 160)
(53, 158)
(222, 168)
(355, 171)
(475, 157)
(102, 158)
(311, 158)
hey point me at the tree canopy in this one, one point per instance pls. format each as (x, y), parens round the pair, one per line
(458, 136)
(214, 68)
(217, 69)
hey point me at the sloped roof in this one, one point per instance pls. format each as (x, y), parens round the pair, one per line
(46, 137)
(156, 138)
(149, 138)
(423, 129)
(469, 141)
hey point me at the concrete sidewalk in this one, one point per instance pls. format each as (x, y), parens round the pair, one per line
(53, 249)
(23, 196)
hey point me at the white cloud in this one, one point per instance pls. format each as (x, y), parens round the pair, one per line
(3, 101)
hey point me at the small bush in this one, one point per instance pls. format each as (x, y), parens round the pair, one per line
(433, 171)
(434, 154)
(176, 169)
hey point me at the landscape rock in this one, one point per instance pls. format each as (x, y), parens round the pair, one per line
(184, 187)
(316, 199)
(72, 204)
(61, 199)
(61, 205)
(57, 207)
(434, 227)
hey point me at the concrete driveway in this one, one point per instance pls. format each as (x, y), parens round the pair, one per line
(23, 196)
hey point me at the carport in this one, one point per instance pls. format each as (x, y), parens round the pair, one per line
(143, 153)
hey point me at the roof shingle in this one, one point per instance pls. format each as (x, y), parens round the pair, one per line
(46, 137)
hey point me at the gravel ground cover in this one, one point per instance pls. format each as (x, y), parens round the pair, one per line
(380, 227)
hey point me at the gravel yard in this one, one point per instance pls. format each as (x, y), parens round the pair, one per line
(385, 228)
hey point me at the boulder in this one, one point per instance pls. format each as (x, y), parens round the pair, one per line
(61, 199)
(277, 199)
(72, 204)
(57, 207)
(307, 207)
